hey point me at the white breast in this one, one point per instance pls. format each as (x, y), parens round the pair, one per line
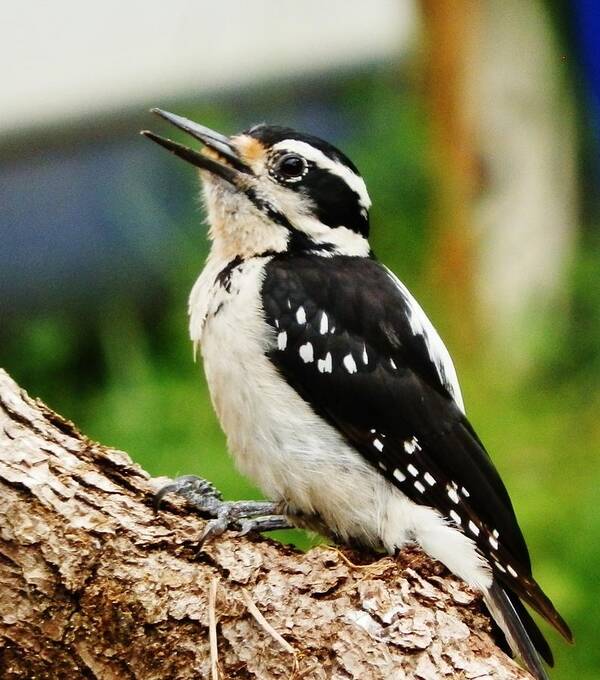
(279, 442)
(273, 434)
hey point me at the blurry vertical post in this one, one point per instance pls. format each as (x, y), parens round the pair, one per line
(504, 157)
(451, 26)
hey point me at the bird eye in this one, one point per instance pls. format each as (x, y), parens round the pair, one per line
(290, 167)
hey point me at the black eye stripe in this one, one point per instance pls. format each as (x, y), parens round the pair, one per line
(334, 202)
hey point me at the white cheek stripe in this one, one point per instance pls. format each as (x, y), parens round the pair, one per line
(309, 152)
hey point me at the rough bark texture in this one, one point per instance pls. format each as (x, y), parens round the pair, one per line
(94, 584)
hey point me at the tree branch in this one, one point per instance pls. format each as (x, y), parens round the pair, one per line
(94, 584)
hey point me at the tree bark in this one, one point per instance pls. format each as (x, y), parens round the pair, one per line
(95, 584)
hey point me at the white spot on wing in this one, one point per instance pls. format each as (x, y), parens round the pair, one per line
(473, 528)
(429, 479)
(378, 445)
(365, 356)
(419, 487)
(306, 353)
(493, 542)
(393, 364)
(413, 470)
(325, 365)
(301, 315)
(411, 445)
(455, 516)
(511, 571)
(500, 567)
(324, 324)
(464, 492)
(452, 495)
(399, 476)
(350, 364)
(282, 341)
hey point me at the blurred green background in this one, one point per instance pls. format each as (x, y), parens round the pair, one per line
(478, 137)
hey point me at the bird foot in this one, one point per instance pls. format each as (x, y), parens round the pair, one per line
(241, 516)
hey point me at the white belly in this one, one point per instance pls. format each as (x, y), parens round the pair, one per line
(272, 433)
(278, 441)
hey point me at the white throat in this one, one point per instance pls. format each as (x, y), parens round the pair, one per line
(237, 228)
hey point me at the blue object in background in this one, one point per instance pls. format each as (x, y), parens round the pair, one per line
(75, 222)
(587, 27)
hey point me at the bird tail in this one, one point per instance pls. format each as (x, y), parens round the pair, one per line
(522, 633)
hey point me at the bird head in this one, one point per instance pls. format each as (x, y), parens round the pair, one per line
(273, 189)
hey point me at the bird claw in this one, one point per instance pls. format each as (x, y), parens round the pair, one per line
(241, 516)
(198, 492)
(214, 528)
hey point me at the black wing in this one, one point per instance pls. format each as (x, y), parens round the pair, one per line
(346, 342)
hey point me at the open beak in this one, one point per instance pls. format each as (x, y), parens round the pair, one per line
(222, 160)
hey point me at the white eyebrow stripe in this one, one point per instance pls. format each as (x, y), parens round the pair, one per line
(354, 181)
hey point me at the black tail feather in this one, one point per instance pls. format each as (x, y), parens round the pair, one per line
(532, 629)
(521, 631)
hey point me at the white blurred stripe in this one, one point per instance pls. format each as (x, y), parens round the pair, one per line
(69, 59)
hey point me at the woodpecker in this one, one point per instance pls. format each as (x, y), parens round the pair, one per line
(337, 396)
